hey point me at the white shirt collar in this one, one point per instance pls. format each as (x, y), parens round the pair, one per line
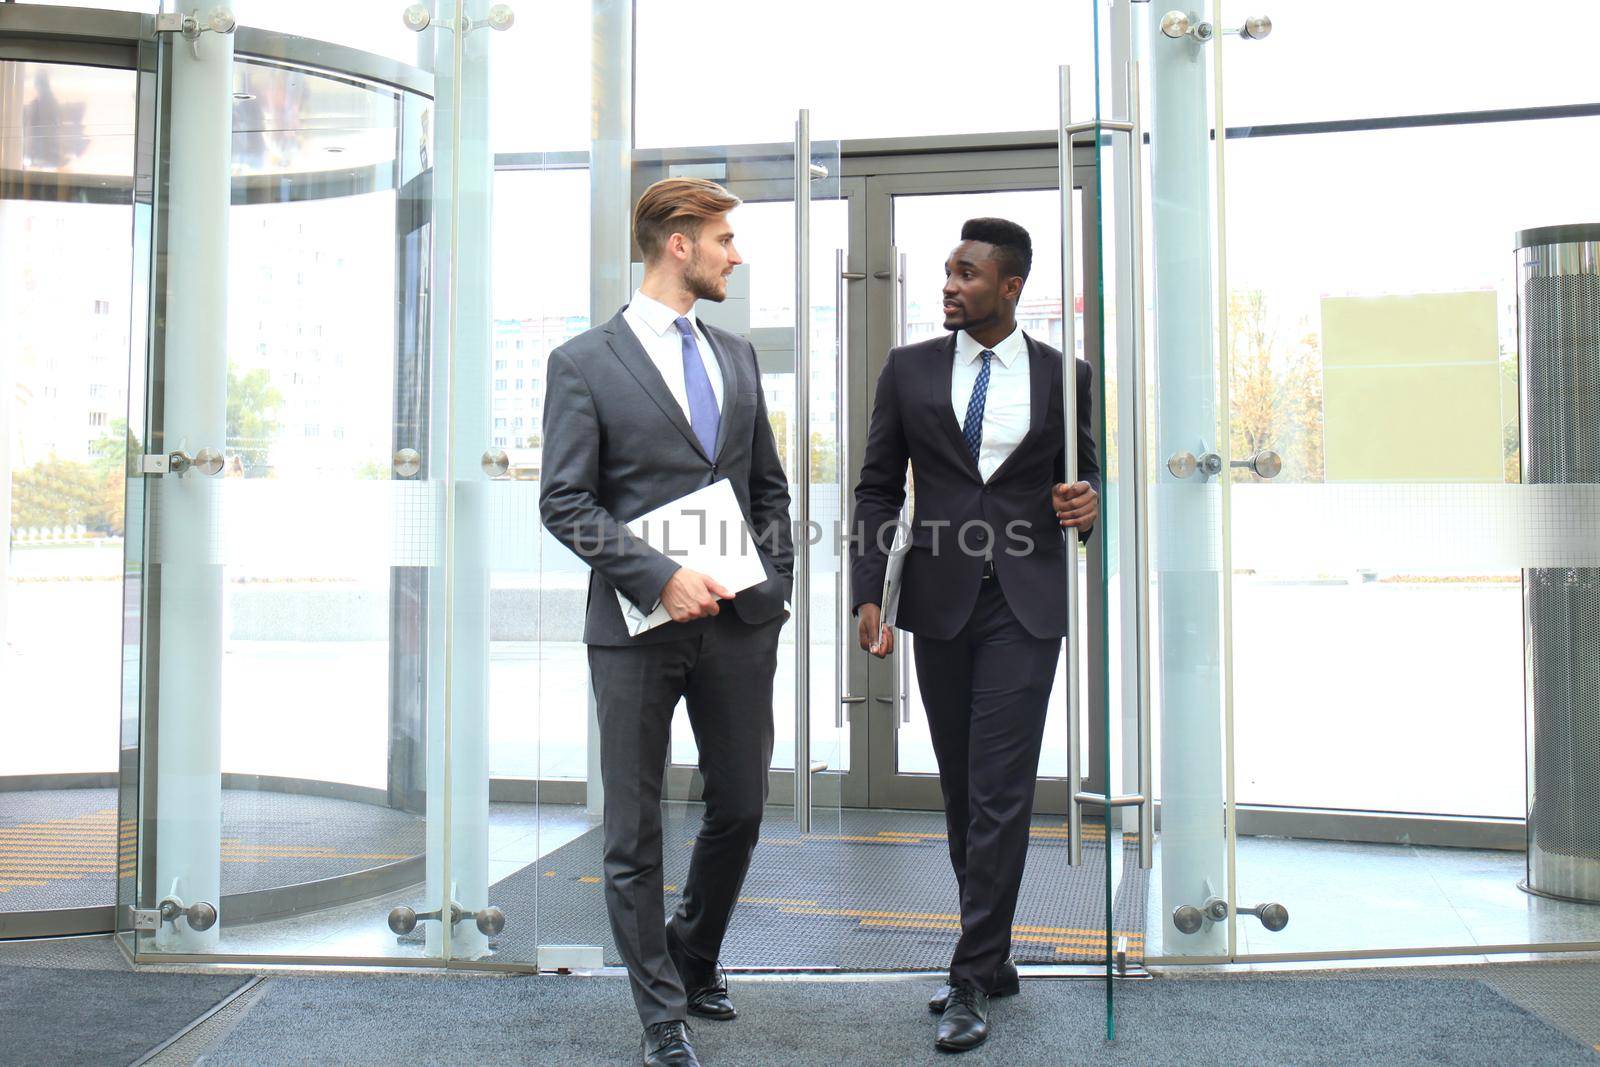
(656, 315)
(1007, 351)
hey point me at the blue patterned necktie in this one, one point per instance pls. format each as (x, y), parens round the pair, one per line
(972, 428)
(703, 414)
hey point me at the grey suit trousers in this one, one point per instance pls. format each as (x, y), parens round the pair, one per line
(724, 671)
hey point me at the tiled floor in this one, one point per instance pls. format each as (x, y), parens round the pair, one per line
(1346, 897)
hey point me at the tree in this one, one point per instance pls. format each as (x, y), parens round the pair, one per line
(824, 459)
(1275, 390)
(253, 403)
(55, 492)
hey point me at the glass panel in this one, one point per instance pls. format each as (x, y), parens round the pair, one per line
(792, 867)
(1426, 60)
(1110, 337)
(521, 718)
(1384, 371)
(287, 608)
(66, 225)
(374, 26)
(766, 51)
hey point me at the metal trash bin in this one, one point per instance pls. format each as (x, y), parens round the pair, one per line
(1558, 310)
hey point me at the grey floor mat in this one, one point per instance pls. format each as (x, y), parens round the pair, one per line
(568, 1021)
(866, 890)
(70, 1015)
(58, 847)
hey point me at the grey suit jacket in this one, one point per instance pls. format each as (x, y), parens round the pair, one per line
(617, 445)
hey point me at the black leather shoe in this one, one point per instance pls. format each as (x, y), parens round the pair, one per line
(1006, 984)
(667, 1045)
(705, 984)
(965, 1022)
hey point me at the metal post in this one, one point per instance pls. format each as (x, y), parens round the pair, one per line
(463, 195)
(802, 471)
(1193, 802)
(194, 364)
(610, 231)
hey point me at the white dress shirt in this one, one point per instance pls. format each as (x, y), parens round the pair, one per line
(1006, 410)
(652, 323)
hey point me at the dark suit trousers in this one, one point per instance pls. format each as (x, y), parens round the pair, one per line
(986, 692)
(725, 674)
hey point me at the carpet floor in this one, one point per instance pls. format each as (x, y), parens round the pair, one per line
(381, 1020)
(89, 1018)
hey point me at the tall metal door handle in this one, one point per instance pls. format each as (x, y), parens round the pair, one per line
(1135, 129)
(841, 581)
(804, 174)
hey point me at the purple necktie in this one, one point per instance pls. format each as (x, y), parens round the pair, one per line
(703, 415)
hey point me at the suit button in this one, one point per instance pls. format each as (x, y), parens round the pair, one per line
(713, 468)
(987, 490)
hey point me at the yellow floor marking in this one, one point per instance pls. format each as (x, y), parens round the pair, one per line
(57, 865)
(857, 913)
(931, 924)
(778, 900)
(1090, 940)
(230, 854)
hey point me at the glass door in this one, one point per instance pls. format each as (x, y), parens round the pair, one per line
(784, 299)
(1366, 490)
(291, 520)
(915, 220)
(925, 217)
(66, 227)
(1405, 497)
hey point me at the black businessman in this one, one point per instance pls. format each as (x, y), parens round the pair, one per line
(978, 415)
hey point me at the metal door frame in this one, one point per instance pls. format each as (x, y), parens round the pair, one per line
(938, 172)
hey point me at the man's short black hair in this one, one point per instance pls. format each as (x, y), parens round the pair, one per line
(1013, 246)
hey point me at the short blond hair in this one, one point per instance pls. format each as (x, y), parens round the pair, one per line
(677, 205)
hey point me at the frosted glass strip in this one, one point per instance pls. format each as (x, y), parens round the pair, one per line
(1433, 527)
(301, 528)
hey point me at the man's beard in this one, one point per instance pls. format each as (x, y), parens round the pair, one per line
(702, 285)
(972, 322)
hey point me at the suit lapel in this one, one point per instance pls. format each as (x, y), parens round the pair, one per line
(633, 356)
(1038, 397)
(730, 390)
(940, 379)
